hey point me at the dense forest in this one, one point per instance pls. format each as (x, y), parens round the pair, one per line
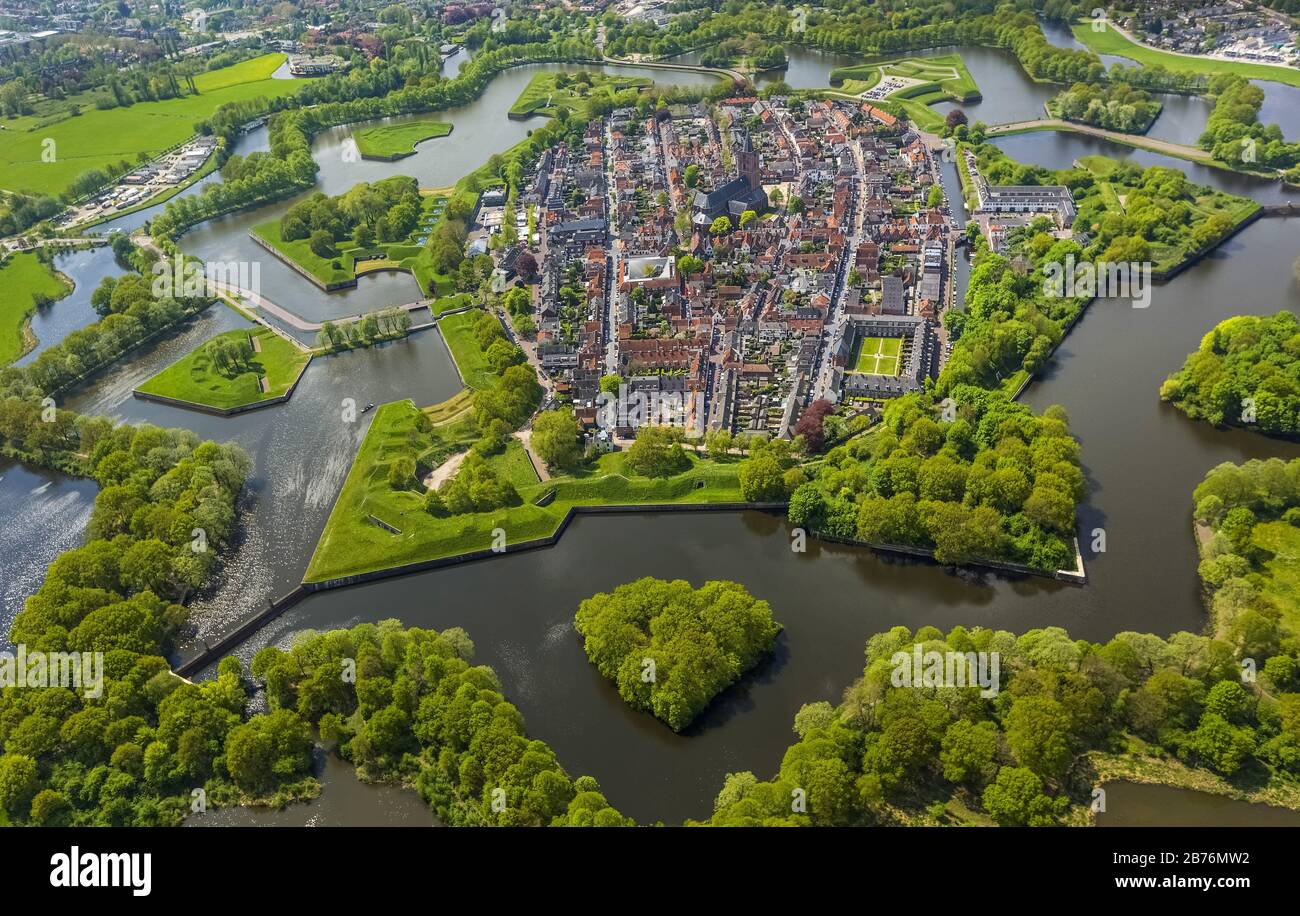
(1246, 372)
(1251, 513)
(670, 648)
(406, 705)
(892, 753)
(990, 481)
(1234, 133)
(1114, 106)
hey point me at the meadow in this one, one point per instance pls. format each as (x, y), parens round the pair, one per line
(23, 279)
(352, 543)
(95, 139)
(195, 379)
(389, 142)
(542, 96)
(1110, 41)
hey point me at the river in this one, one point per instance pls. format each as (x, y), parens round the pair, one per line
(1142, 460)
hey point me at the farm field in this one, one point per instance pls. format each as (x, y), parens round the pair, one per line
(23, 280)
(395, 141)
(1111, 41)
(95, 139)
(878, 355)
(196, 379)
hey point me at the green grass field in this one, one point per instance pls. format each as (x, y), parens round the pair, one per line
(458, 331)
(394, 141)
(541, 96)
(1111, 41)
(193, 378)
(95, 139)
(22, 278)
(299, 251)
(352, 544)
(1281, 572)
(877, 355)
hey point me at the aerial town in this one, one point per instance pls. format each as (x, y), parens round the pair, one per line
(835, 255)
(678, 413)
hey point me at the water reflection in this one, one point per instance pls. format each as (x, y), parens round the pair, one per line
(52, 323)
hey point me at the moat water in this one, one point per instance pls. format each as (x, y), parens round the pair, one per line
(1141, 458)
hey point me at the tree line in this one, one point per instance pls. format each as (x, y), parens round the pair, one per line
(894, 750)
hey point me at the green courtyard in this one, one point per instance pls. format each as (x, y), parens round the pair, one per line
(257, 365)
(877, 355)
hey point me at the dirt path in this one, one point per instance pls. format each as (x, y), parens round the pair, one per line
(445, 471)
(525, 436)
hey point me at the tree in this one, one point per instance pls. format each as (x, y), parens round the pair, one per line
(401, 472)
(611, 383)
(746, 218)
(762, 478)
(720, 226)
(322, 244)
(811, 424)
(555, 438)
(1016, 798)
(1038, 733)
(698, 642)
(692, 175)
(657, 452)
(968, 751)
(955, 119)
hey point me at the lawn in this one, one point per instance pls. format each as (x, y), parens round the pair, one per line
(394, 141)
(877, 355)
(1281, 571)
(458, 332)
(193, 377)
(945, 74)
(351, 543)
(299, 251)
(411, 255)
(1111, 41)
(22, 278)
(541, 96)
(95, 139)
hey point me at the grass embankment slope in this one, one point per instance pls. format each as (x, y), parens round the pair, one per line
(931, 80)
(389, 142)
(353, 543)
(95, 139)
(195, 379)
(1207, 202)
(1110, 41)
(407, 254)
(23, 278)
(542, 96)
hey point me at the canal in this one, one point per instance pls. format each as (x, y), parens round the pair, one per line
(1142, 461)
